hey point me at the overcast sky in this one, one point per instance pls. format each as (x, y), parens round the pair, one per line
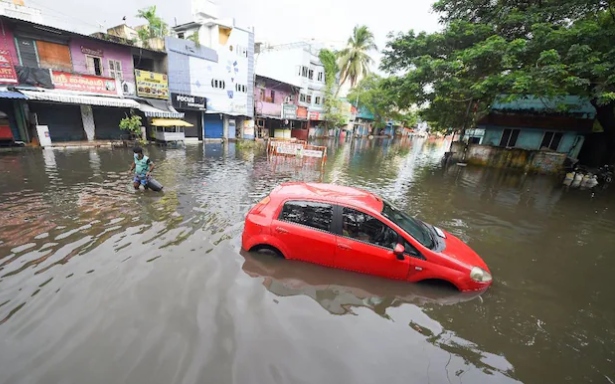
(276, 21)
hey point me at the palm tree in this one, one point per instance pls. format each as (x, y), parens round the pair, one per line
(354, 60)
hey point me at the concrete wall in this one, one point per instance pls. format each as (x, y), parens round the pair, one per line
(516, 158)
(531, 139)
(110, 52)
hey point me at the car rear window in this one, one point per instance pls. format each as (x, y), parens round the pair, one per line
(315, 215)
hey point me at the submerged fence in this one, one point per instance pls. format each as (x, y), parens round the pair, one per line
(298, 152)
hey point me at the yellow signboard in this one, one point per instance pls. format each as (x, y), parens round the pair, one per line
(152, 85)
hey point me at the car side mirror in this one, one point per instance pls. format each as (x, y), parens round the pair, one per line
(399, 251)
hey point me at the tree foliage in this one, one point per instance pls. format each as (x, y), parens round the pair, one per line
(379, 97)
(132, 124)
(545, 48)
(331, 104)
(354, 61)
(156, 27)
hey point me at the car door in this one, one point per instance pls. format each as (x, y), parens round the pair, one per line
(305, 228)
(366, 245)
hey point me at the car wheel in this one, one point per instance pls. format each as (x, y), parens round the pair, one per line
(268, 249)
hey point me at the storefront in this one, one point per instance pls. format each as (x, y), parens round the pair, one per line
(193, 108)
(73, 117)
(12, 122)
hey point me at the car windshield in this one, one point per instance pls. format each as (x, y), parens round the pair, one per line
(412, 226)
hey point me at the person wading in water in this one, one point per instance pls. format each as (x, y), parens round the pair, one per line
(142, 166)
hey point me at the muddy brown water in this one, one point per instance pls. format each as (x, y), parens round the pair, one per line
(99, 284)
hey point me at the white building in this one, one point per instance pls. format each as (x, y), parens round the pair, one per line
(297, 64)
(18, 10)
(225, 76)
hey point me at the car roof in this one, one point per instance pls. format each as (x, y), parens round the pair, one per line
(331, 193)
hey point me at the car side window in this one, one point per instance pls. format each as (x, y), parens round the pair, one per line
(310, 214)
(363, 227)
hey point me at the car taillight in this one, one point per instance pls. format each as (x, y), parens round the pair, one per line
(261, 204)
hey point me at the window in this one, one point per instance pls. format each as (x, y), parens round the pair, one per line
(413, 227)
(115, 69)
(26, 49)
(509, 137)
(218, 84)
(317, 100)
(241, 88)
(304, 71)
(308, 99)
(302, 97)
(289, 98)
(551, 140)
(320, 76)
(261, 94)
(311, 74)
(94, 65)
(180, 35)
(315, 215)
(53, 56)
(272, 96)
(363, 227)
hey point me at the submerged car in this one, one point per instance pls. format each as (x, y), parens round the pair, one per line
(352, 229)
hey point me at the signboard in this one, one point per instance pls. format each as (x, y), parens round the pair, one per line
(302, 113)
(84, 83)
(196, 103)
(152, 85)
(312, 153)
(7, 70)
(289, 149)
(92, 52)
(289, 111)
(314, 116)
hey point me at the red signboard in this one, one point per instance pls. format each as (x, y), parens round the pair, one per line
(302, 113)
(84, 83)
(314, 116)
(7, 71)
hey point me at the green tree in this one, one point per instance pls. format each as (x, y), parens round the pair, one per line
(156, 27)
(354, 61)
(379, 96)
(516, 48)
(332, 104)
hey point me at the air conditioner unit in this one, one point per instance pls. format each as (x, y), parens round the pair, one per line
(128, 88)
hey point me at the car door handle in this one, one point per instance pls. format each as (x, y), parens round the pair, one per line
(281, 230)
(344, 247)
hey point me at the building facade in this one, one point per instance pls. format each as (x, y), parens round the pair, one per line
(275, 109)
(214, 59)
(77, 87)
(298, 65)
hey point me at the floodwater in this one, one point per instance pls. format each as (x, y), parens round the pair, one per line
(101, 284)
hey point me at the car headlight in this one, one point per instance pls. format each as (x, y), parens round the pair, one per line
(479, 275)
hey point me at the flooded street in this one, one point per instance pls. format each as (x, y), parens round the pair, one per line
(102, 284)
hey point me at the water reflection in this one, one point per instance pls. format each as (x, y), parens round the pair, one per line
(84, 259)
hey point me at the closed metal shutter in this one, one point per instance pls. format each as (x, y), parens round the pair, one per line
(193, 118)
(107, 121)
(213, 127)
(64, 120)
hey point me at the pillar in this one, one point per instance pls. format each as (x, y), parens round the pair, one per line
(87, 117)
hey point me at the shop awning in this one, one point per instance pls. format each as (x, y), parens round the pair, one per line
(70, 98)
(6, 94)
(171, 123)
(163, 105)
(150, 111)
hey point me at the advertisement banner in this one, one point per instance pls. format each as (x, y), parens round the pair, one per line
(7, 70)
(314, 116)
(195, 103)
(302, 113)
(152, 85)
(289, 111)
(84, 83)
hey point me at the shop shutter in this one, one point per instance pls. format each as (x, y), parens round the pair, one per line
(27, 52)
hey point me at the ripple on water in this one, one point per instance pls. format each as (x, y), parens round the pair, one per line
(160, 278)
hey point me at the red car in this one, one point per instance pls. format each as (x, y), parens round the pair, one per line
(352, 229)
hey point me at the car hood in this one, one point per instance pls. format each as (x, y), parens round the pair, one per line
(461, 253)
